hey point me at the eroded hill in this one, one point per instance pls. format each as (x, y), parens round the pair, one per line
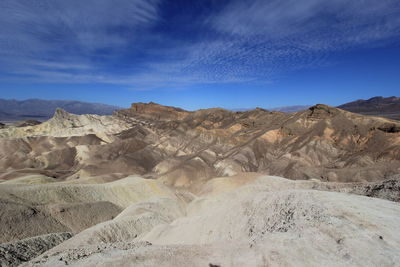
(153, 181)
(183, 148)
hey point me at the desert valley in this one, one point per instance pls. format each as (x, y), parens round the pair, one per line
(180, 133)
(155, 185)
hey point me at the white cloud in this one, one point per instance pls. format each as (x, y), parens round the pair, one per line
(262, 39)
(309, 22)
(252, 41)
(67, 34)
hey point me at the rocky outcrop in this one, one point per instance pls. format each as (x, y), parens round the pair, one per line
(18, 252)
(154, 111)
(64, 124)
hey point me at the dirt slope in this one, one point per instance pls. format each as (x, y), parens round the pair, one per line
(269, 221)
(15, 253)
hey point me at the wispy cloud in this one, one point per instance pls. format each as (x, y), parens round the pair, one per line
(55, 24)
(340, 20)
(292, 34)
(58, 35)
(128, 42)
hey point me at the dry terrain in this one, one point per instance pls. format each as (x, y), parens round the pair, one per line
(160, 186)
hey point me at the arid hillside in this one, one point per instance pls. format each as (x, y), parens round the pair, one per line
(183, 148)
(153, 181)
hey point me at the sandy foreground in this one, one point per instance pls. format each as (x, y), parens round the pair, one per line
(245, 220)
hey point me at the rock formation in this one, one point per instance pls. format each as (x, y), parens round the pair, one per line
(153, 181)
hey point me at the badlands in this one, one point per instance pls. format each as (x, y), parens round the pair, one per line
(154, 185)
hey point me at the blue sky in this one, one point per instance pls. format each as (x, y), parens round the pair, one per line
(198, 54)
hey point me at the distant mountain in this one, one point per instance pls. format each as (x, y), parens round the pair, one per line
(291, 108)
(287, 109)
(388, 107)
(240, 109)
(14, 110)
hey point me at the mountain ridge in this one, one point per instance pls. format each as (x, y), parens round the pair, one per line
(388, 107)
(321, 142)
(39, 109)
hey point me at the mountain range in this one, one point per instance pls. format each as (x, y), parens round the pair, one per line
(388, 107)
(41, 110)
(38, 109)
(295, 108)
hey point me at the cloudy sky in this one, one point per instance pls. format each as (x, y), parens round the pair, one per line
(196, 54)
